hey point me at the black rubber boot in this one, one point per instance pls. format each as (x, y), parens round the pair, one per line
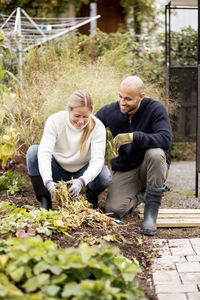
(41, 192)
(92, 197)
(45, 203)
(152, 204)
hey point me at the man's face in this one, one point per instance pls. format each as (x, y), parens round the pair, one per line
(129, 100)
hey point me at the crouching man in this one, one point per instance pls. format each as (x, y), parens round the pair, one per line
(142, 133)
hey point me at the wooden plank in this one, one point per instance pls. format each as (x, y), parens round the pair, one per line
(181, 211)
(176, 210)
(176, 216)
(178, 223)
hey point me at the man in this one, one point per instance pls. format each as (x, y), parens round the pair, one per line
(142, 133)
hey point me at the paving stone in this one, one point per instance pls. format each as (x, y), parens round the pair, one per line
(163, 263)
(193, 258)
(180, 296)
(179, 243)
(193, 278)
(188, 267)
(193, 296)
(178, 258)
(182, 251)
(161, 277)
(161, 246)
(178, 288)
(195, 244)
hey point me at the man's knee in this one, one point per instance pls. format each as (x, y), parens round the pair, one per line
(113, 209)
(155, 156)
(118, 209)
(157, 167)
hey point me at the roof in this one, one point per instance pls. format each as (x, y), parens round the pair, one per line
(184, 3)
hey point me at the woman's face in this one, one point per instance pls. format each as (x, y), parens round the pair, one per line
(79, 116)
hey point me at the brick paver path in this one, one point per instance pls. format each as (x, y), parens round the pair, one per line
(176, 273)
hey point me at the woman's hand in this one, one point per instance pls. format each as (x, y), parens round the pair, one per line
(77, 185)
(51, 187)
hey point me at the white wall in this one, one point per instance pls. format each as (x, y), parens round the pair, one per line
(179, 17)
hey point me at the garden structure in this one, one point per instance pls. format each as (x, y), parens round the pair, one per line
(183, 85)
(32, 32)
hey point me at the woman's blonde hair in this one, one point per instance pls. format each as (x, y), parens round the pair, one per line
(82, 98)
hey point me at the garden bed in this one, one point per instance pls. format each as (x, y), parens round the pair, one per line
(131, 243)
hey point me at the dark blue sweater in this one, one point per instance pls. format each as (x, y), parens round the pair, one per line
(150, 125)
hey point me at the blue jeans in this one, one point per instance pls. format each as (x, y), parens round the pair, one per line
(100, 183)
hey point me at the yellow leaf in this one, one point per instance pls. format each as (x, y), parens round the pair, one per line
(58, 223)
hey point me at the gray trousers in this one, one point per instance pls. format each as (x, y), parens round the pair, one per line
(126, 184)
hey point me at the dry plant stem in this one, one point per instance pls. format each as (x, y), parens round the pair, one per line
(78, 212)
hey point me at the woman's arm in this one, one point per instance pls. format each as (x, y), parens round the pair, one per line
(45, 150)
(98, 145)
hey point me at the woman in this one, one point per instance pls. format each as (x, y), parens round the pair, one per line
(72, 146)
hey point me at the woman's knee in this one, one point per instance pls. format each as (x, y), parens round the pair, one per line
(105, 177)
(32, 158)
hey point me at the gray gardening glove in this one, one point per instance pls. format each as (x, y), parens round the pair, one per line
(51, 187)
(77, 185)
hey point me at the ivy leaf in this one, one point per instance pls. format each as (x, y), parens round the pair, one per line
(33, 283)
(3, 260)
(51, 290)
(17, 274)
(40, 267)
(56, 279)
(70, 289)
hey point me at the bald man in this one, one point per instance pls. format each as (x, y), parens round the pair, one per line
(142, 134)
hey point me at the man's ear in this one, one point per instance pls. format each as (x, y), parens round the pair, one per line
(142, 95)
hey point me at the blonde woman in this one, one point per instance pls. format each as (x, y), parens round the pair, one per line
(72, 146)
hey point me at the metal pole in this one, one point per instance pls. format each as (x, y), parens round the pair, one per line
(166, 59)
(93, 12)
(33, 23)
(18, 30)
(4, 24)
(62, 32)
(198, 112)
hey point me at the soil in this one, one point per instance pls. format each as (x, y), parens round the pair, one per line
(129, 240)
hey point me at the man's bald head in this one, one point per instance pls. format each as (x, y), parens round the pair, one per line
(133, 83)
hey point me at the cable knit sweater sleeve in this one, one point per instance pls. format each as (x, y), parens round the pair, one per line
(46, 149)
(98, 145)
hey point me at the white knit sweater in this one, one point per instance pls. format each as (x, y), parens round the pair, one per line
(62, 140)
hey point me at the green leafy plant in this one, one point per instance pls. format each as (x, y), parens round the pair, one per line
(13, 182)
(23, 223)
(34, 269)
(8, 148)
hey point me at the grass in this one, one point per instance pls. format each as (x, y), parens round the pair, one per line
(54, 71)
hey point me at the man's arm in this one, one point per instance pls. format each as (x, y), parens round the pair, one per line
(161, 132)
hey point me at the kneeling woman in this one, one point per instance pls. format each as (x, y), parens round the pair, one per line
(72, 146)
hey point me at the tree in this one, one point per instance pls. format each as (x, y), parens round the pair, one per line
(143, 14)
(45, 8)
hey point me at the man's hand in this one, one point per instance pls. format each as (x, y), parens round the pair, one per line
(77, 185)
(51, 187)
(122, 139)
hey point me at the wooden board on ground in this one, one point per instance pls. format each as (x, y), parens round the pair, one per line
(176, 217)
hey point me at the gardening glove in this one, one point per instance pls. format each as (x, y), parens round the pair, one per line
(122, 139)
(51, 187)
(77, 185)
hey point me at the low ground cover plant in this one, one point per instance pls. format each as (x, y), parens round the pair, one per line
(13, 183)
(34, 269)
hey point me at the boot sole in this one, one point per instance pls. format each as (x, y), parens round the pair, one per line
(148, 232)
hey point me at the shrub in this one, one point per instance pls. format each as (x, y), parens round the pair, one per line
(34, 269)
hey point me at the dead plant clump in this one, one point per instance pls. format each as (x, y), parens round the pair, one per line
(78, 212)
